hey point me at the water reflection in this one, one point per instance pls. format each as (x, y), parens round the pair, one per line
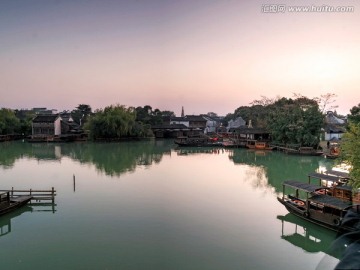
(198, 150)
(190, 206)
(5, 220)
(277, 166)
(116, 158)
(110, 158)
(306, 235)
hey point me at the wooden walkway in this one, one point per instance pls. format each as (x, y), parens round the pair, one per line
(37, 195)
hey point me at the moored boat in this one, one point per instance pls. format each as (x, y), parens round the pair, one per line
(258, 145)
(323, 210)
(201, 141)
(336, 184)
(9, 203)
(306, 151)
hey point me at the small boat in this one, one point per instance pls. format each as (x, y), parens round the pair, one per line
(323, 210)
(201, 141)
(228, 143)
(9, 203)
(334, 152)
(258, 145)
(336, 184)
(306, 151)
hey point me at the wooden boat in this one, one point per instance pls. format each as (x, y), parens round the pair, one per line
(323, 210)
(336, 185)
(254, 144)
(201, 141)
(334, 152)
(306, 151)
(229, 143)
(9, 203)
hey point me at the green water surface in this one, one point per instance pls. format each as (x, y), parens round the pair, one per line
(150, 205)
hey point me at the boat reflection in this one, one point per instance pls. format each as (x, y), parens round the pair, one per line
(198, 150)
(306, 235)
(5, 220)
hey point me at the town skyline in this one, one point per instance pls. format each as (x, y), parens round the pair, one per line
(208, 56)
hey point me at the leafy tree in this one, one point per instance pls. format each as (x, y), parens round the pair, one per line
(354, 115)
(25, 117)
(296, 121)
(81, 113)
(350, 152)
(148, 116)
(115, 122)
(9, 123)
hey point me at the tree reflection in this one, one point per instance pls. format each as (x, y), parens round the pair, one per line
(277, 166)
(111, 158)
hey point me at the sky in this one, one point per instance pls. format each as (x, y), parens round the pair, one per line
(204, 55)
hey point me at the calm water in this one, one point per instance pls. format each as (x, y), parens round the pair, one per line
(149, 205)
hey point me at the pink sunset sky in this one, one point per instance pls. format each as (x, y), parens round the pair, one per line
(208, 56)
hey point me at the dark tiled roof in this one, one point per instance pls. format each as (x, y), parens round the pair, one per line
(197, 118)
(334, 129)
(247, 130)
(178, 119)
(168, 126)
(45, 118)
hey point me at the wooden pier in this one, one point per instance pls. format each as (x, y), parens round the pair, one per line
(36, 195)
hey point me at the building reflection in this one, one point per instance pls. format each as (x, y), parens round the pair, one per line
(110, 158)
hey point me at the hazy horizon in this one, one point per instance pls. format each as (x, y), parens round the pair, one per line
(208, 56)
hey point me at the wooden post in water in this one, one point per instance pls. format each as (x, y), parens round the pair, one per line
(53, 194)
(74, 182)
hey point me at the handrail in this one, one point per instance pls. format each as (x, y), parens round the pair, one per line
(36, 194)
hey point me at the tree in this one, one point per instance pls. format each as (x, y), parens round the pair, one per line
(115, 122)
(148, 116)
(326, 101)
(81, 113)
(354, 115)
(350, 152)
(9, 123)
(297, 121)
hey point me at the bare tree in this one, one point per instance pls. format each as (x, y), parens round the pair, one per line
(326, 102)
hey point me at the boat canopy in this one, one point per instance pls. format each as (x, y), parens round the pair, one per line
(325, 177)
(302, 186)
(337, 173)
(330, 201)
(345, 187)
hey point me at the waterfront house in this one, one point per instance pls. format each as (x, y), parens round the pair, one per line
(334, 127)
(190, 121)
(46, 125)
(169, 130)
(236, 123)
(213, 123)
(250, 133)
(179, 121)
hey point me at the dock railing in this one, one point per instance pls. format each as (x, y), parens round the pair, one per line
(38, 195)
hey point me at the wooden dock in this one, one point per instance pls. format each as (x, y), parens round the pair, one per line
(36, 195)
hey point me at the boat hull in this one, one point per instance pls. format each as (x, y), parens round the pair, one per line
(15, 202)
(304, 214)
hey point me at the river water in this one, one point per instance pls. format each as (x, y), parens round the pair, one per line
(150, 205)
